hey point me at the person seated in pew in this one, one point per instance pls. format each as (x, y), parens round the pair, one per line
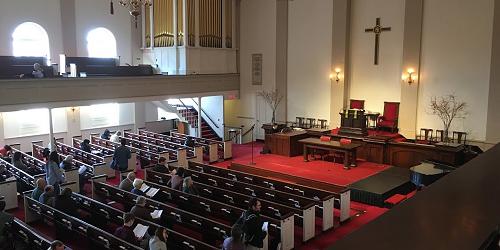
(161, 166)
(159, 240)
(65, 204)
(37, 71)
(5, 153)
(188, 186)
(234, 242)
(126, 232)
(56, 245)
(137, 187)
(4, 174)
(139, 210)
(4, 218)
(85, 146)
(17, 162)
(177, 179)
(127, 183)
(116, 137)
(105, 135)
(39, 188)
(189, 142)
(67, 163)
(83, 176)
(48, 196)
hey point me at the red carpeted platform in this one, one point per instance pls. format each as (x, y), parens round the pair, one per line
(316, 169)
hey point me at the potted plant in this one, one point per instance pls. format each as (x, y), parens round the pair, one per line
(447, 108)
(273, 99)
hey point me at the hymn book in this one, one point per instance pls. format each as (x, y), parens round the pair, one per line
(144, 187)
(152, 191)
(156, 214)
(140, 230)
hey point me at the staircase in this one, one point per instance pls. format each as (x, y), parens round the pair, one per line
(191, 116)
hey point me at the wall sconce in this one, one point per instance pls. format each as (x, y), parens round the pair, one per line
(410, 77)
(335, 76)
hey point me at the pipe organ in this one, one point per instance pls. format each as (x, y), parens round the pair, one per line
(211, 18)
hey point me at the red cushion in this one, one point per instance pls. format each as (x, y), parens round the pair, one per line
(357, 104)
(345, 141)
(395, 199)
(391, 111)
(325, 138)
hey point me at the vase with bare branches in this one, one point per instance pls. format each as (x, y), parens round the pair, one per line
(447, 108)
(273, 99)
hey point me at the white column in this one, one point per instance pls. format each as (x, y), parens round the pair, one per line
(51, 132)
(199, 117)
(197, 23)
(224, 23)
(2, 140)
(233, 24)
(140, 115)
(151, 26)
(175, 23)
(143, 26)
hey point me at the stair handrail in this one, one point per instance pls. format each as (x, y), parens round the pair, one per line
(186, 107)
(203, 111)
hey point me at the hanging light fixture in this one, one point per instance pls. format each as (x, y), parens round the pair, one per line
(135, 7)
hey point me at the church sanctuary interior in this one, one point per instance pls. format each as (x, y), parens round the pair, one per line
(249, 124)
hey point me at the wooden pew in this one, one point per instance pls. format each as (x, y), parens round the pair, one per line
(302, 186)
(106, 153)
(175, 241)
(224, 148)
(8, 188)
(29, 236)
(275, 213)
(100, 164)
(71, 175)
(179, 155)
(35, 210)
(111, 145)
(195, 153)
(213, 229)
(211, 148)
(324, 200)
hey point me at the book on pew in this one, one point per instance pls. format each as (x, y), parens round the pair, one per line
(144, 187)
(140, 230)
(156, 214)
(264, 226)
(152, 191)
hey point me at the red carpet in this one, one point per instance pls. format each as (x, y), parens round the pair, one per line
(315, 169)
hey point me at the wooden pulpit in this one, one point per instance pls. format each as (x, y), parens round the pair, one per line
(270, 129)
(353, 122)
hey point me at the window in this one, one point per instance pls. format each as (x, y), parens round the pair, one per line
(107, 115)
(101, 43)
(33, 122)
(30, 39)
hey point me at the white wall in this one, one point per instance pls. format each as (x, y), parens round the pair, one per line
(92, 14)
(376, 83)
(257, 35)
(45, 13)
(309, 58)
(456, 57)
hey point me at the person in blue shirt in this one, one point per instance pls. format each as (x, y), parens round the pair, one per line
(106, 134)
(53, 173)
(137, 187)
(121, 156)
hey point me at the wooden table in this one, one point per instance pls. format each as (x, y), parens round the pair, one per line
(286, 144)
(349, 150)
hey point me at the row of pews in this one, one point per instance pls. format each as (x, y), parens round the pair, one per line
(195, 221)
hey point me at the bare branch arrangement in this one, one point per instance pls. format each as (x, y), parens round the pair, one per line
(447, 108)
(273, 99)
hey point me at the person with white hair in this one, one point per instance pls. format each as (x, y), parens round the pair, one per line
(37, 71)
(116, 137)
(137, 187)
(67, 163)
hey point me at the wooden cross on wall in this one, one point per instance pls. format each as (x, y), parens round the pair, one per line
(377, 30)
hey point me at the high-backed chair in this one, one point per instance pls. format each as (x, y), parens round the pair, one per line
(322, 124)
(425, 135)
(439, 135)
(390, 117)
(310, 123)
(300, 122)
(459, 137)
(357, 104)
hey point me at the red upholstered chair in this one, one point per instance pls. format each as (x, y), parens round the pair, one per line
(390, 117)
(357, 104)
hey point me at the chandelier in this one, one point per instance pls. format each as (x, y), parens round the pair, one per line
(134, 7)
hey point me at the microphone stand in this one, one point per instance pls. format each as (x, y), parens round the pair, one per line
(252, 128)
